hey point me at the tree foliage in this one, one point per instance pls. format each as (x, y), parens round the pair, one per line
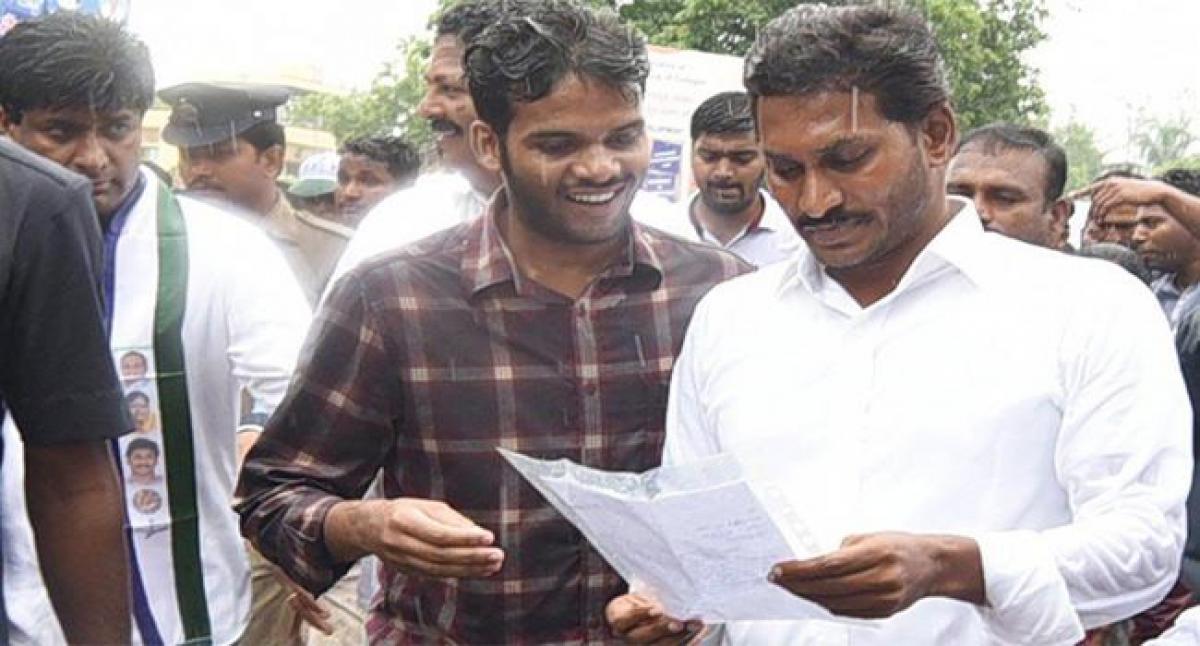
(388, 107)
(1165, 142)
(982, 42)
(1085, 160)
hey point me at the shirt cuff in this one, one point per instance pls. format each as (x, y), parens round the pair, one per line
(1028, 601)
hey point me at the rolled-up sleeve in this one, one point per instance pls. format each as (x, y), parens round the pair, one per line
(325, 442)
(1124, 458)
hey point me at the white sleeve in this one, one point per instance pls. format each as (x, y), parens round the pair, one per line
(267, 316)
(690, 435)
(1124, 458)
(406, 216)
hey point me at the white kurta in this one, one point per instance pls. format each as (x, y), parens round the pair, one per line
(1023, 397)
(243, 327)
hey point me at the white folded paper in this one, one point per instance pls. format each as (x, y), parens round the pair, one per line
(700, 538)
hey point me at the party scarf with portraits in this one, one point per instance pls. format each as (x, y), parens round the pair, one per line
(158, 459)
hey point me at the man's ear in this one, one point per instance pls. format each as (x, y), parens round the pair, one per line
(6, 124)
(485, 145)
(1060, 215)
(939, 133)
(271, 160)
(1062, 210)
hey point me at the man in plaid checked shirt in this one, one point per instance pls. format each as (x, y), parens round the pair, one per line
(548, 326)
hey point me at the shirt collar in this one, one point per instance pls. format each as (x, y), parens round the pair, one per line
(768, 219)
(1165, 285)
(487, 261)
(957, 245)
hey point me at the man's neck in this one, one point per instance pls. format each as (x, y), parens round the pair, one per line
(727, 226)
(1188, 275)
(268, 201)
(482, 181)
(567, 269)
(136, 187)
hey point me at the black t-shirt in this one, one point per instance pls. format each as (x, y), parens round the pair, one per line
(56, 373)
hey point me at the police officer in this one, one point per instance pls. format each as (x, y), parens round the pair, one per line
(232, 147)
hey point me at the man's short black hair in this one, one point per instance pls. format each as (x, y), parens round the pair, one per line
(402, 160)
(264, 135)
(467, 19)
(887, 52)
(70, 60)
(525, 54)
(1121, 255)
(996, 138)
(724, 113)
(1184, 179)
(139, 444)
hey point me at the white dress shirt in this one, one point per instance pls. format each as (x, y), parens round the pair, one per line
(434, 202)
(1022, 397)
(769, 240)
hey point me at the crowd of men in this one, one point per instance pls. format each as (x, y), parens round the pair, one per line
(239, 412)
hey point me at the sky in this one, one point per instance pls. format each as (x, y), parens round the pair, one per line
(1104, 60)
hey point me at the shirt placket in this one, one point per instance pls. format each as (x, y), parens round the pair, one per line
(587, 384)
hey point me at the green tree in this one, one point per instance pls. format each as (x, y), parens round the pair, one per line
(1085, 160)
(1164, 143)
(982, 42)
(388, 107)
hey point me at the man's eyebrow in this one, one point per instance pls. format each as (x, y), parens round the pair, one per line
(842, 143)
(550, 134)
(442, 77)
(636, 124)
(779, 157)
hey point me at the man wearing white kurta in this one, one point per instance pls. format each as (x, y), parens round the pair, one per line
(201, 297)
(992, 439)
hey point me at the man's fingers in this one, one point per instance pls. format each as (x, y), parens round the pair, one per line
(847, 560)
(482, 556)
(410, 563)
(1081, 193)
(864, 606)
(310, 612)
(663, 630)
(866, 582)
(441, 526)
(628, 618)
(446, 515)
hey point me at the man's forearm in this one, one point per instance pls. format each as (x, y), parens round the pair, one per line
(1184, 208)
(76, 509)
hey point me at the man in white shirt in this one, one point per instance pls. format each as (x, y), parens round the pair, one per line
(966, 420)
(730, 209)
